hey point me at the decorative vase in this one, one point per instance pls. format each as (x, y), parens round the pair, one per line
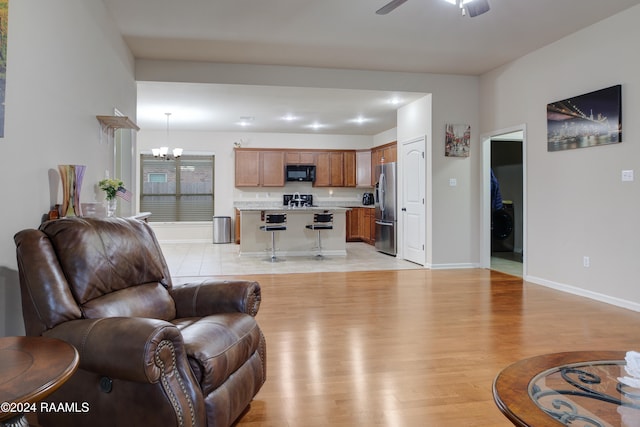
(71, 176)
(112, 205)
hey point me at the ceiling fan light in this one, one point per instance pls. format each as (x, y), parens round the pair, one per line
(177, 152)
(389, 7)
(155, 152)
(164, 151)
(478, 7)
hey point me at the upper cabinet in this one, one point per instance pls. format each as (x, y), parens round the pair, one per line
(299, 158)
(259, 168)
(363, 168)
(349, 164)
(386, 153)
(323, 171)
(334, 168)
(272, 163)
(247, 168)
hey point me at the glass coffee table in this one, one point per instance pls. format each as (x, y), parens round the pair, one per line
(570, 389)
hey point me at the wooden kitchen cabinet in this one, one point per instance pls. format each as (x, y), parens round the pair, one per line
(368, 225)
(337, 169)
(372, 225)
(390, 153)
(363, 168)
(353, 225)
(257, 168)
(266, 167)
(247, 168)
(237, 227)
(329, 169)
(361, 225)
(272, 163)
(365, 231)
(349, 167)
(323, 170)
(386, 153)
(299, 158)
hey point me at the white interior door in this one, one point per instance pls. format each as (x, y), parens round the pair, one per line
(413, 195)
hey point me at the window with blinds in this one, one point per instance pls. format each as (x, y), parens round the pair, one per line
(178, 189)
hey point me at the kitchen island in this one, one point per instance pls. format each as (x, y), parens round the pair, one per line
(296, 240)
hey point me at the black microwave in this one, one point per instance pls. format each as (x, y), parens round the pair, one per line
(301, 173)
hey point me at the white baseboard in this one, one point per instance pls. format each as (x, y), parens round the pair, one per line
(619, 302)
(452, 266)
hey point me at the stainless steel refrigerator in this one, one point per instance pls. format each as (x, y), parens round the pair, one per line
(386, 208)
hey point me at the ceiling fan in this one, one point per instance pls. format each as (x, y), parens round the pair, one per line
(472, 7)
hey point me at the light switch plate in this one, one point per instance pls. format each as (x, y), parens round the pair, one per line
(453, 182)
(627, 175)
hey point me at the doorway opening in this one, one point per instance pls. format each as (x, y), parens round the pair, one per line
(504, 201)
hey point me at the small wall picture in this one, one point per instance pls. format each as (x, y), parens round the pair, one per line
(588, 120)
(457, 140)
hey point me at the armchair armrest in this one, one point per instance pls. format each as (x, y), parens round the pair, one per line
(212, 297)
(128, 348)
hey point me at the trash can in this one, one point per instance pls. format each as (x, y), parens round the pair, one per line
(221, 229)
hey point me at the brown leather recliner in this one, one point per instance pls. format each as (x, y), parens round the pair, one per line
(150, 354)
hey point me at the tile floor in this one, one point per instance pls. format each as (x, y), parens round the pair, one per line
(188, 260)
(502, 265)
(207, 259)
(507, 262)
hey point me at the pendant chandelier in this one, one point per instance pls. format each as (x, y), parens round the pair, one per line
(163, 152)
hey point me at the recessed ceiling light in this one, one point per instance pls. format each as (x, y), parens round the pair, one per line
(395, 101)
(360, 120)
(289, 118)
(245, 120)
(315, 126)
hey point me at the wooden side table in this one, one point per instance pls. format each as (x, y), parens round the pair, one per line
(572, 388)
(31, 368)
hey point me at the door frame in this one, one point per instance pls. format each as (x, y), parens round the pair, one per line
(485, 191)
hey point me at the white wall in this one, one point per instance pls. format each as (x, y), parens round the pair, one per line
(455, 99)
(385, 137)
(66, 64)
(577, 204)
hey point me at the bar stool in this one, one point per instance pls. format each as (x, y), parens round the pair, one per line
(321, 221)
(272, 223)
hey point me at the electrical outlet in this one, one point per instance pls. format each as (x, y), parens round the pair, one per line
(586, 261)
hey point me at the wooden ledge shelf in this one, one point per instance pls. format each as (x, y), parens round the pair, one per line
(117, 122)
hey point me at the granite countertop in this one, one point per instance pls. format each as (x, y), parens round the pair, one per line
(292, 209)
(255, 205)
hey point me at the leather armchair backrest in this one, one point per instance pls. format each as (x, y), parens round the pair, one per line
(112, 267)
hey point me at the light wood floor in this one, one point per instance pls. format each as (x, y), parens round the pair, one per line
(412, 347)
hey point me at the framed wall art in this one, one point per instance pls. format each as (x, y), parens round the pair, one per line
(588, 120)
(457, 140)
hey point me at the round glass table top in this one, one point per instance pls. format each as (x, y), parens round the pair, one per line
(587, 394)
